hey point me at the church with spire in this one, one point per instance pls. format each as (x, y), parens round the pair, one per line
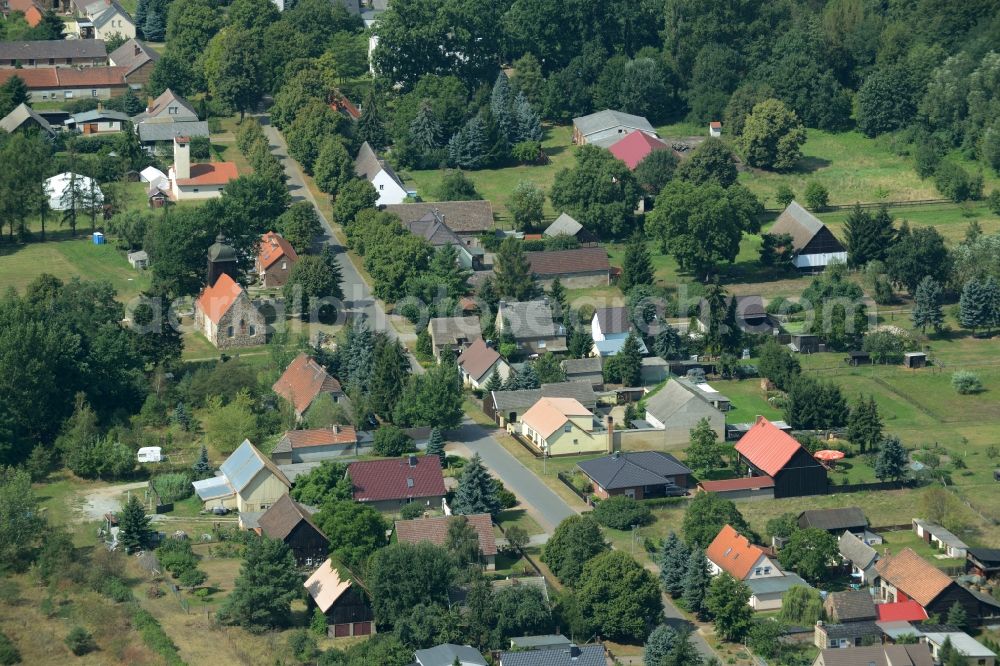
(223, 312)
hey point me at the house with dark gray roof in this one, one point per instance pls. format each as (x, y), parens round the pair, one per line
(916, 654)
(860, 556)
(431, 227)
(541, 642)
(24, 118)
(138, 57)
(835, 521)
(850, 606)
(637, 474)
(572, 655)
(465, 218)
(455, 333)
(584, 370)
(678, 407)
(564, 225)
(768, 592)
(982, 561)
(607, 127)
(53, 53)
(167, 117)
(814, 245)
(449, 654)
(507, 406)
(379, 173)
(532, 326)
(290, 522)
(846, 635)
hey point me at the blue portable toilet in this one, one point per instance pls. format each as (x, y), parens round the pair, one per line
(98, 238)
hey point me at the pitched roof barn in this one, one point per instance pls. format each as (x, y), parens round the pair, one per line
(772, 452)
(834, 520)
(564, 225)
(462, 217)
(918, 578)
(284, 516)
(636, 147)
(568, 262)
(812, 241)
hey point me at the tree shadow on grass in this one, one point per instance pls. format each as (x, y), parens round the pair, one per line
(810, 164)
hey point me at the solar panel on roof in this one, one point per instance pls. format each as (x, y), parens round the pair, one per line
(242, 466)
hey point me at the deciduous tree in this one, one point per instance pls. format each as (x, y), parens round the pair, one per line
(575, 541)
(600, 192)
(619, 595)
(705, 517)
(728, 602)
(704, 453)
(772, 136)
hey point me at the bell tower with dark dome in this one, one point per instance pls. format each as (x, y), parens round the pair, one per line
(221, 259)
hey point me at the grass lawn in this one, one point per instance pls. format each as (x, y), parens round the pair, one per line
(79, 257)
(520, 518)
(496, 184)
(896, 541)
(748, 400)
(951, 220)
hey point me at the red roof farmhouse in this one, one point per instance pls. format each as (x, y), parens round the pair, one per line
(768, 451)
(389, 484)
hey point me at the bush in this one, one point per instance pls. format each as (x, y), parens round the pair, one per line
(79, 641)
(956, 183)
(507, 499)
(173, 486)
(8, 652)
(201, 148)
(782, 305)
(154, 637)
(116, 590)
(817, 196)
(620, 513)
(993, 201)
(966, 382)
(391, 441)
(302, 645)
(527, 152)
(411, 511)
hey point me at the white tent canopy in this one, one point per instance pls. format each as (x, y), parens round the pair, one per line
(152, 175)
(57, 185)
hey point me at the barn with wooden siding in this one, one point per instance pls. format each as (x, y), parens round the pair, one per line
(814, 245)
(768, 451)
(290, 522)
(343, 600)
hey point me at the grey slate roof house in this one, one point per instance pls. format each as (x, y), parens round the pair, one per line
(507, 406)
(768, 592)
(605, 128)
(465, 218)
(813, 243)
(54, 53)
(379, 173)
(564, 225)
(637, 474)
(859, 556)
(850, 606)
(431, 227)
(455, 333)
(573, 655)
(23, 117)
(447, 654)
(167, 117)
(584, 369)
(846, 635)
(532, 325)
(138, 57)
(835, 521)
(677, 407)
(478, 363)
(916, 654)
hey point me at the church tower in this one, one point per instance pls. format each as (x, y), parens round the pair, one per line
(221, 259)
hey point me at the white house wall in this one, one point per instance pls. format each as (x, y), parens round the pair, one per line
(389, 191)
(819, 260)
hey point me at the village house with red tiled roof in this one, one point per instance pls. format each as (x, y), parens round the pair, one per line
(205, 180)
(314, 445)
(908, 577)
(304, 380)
(390, 484)
(275, 259)
(733, 553)
(635, 147)
(435, 530)
(226, 316)
(766, 450)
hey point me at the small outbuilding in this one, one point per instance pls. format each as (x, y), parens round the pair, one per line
(139, 260)
(914, 360)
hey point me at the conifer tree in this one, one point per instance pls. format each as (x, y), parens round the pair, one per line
(133, 526)
(527, 124)
(557, 295)
(468, 148)
(629, 361)
(696, 582)
(425, 130)
(389, 376)
(201, 468)
(435, 445)
(637, 266)
(890, 464)
(371, 127)
(977, 306)
(927, 305)
(476, 492)
(673, 562)
(581, 342)
(958, 617)
(494, 383)
(500, 106)
(668, 344)
(263, 593)
(864, 425)
(359, 353)
(182, 416)
(155, 27)
(512, 272)
(528, 378)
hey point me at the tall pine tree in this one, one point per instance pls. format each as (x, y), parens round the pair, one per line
(359, 352)
(864, 425)
(637, 266)
(868, 236)
(425, 130)
(673, 563)
(696, 582)
(927, 305)
(435, 444)
(527, 124)
(389, 376)
(977, 306)
(512, 272)
(469, 148)
(500, 105)
(371, 126)
(476, 490)
(134, 533)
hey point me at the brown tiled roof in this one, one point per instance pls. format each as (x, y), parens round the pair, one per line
(338, 434)
(565, 262)
(913, 575)
(210, 173)
(851, 606)
(67, 77)
(459, 216)
(742, 483)
(395, 479)
(303, 380)
(477, 358)
(282, 517)
(435, 530)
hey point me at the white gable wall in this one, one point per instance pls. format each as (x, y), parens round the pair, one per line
(389, 191)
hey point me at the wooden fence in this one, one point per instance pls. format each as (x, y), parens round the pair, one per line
(876, 204)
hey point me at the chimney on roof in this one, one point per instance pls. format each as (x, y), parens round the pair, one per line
(574, 651)
(413, 461)
(136, 48)
(335, 428)
(149, 105)
(610, 423)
